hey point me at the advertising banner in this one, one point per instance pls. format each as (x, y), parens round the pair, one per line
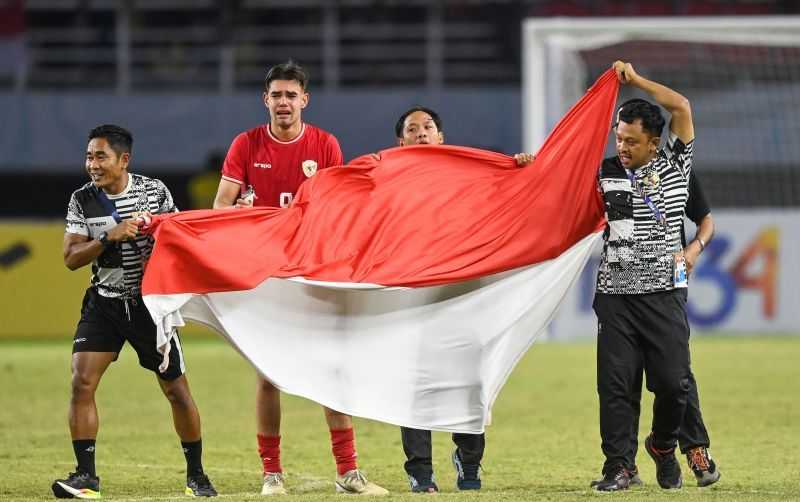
(746, 281)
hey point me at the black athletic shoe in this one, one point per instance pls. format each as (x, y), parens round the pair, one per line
(703, 466)
(633, 478)
(468, 475)
(78, 485)
(613, 481)
(198, 485)
(423, 484)
(668, 471)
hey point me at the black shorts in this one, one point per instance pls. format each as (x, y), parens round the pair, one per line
(106, 324)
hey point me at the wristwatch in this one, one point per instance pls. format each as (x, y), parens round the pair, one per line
(103, 238)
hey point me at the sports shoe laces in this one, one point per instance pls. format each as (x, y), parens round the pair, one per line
(471, 471)
(699, 459)
(354, 476)
(80, 475)
(201, 480)
(273, 478)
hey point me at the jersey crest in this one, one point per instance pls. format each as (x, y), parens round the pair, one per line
(309, 168)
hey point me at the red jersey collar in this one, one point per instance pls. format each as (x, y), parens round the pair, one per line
(272, 136)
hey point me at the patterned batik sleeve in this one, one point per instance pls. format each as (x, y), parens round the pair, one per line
(165, 202)
(681, 155)
(76, 221)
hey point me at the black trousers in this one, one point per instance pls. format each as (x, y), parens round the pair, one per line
(418, 449)
(635, 332)
(693, 431)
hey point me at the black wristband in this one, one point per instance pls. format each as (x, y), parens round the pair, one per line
(103, 238)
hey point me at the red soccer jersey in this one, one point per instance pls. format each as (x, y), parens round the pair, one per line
(275, 168)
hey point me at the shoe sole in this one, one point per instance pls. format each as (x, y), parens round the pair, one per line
(64, 491)
(190, 493)
(633, 482)
(369, 491)
(468, 488)
(704, 481)
(596, 490)
(593, 485)
(269, 493)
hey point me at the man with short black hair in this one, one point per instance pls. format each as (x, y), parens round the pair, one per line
(265, 166)
(642, 279)
(103, 220)
(693, 436)
(422, 126)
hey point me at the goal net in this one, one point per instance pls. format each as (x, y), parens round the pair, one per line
(741, 74)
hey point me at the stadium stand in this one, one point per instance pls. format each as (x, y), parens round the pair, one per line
(221, 48)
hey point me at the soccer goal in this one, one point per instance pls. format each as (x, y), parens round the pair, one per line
(741, 74)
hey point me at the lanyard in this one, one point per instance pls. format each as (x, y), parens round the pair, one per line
(109, 206)
(111, 209)
(647, 200)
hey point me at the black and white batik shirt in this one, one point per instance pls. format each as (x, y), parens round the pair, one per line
(117, 272)
(638, 251)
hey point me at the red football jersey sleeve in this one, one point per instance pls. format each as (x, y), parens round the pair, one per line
(234, 167)
(334, 152)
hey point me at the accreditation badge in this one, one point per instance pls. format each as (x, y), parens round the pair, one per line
(652, 180)
(679, 276)
(309, 168)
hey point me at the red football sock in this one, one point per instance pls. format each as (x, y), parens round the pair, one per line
(344, 450)
(269, 448)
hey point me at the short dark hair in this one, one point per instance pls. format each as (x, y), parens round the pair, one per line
(286, 71)
(652, 120)
(398, 127)
(119, 139)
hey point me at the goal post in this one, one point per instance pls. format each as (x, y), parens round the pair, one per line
(738, 72)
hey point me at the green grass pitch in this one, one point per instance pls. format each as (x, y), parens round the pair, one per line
(543, 444)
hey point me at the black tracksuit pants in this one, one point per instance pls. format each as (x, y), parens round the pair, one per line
(693, 431)
(647, 331)
(418, 449)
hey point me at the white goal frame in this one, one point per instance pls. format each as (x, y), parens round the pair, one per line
(545, 41)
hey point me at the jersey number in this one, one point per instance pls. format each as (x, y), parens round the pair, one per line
(286, 199)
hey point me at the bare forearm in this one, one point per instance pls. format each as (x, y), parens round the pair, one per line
(673, 101)
(705, 231)
(678, 106)
(221, 203)
(227, 193)
(81, 254)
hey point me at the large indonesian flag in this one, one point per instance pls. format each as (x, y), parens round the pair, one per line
(417, 277)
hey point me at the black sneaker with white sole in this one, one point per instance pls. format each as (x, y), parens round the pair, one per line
(198, 485)
(78, 485)
(633, 478)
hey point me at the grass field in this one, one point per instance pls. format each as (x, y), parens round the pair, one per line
(544, 444)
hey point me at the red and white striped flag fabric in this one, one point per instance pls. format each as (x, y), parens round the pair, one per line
(402, 287)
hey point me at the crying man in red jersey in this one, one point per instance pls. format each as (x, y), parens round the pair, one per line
(265, 166)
